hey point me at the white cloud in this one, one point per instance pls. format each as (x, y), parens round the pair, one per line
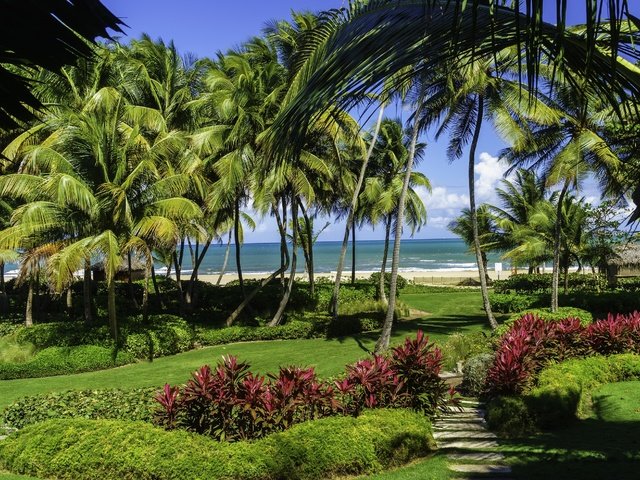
(440, 198)
(490, 171)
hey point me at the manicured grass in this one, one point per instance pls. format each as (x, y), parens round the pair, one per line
(11, 476)
(432, 468)
(449, 312)
(607, 445)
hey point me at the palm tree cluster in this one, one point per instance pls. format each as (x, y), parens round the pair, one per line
(141, 153)
(142, 156)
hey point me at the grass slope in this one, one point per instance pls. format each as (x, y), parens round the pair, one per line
(448, 313)
(607, 445)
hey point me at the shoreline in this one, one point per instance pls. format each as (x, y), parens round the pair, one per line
(427, 277)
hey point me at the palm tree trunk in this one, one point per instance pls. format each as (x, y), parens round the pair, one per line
(353, 251)
(226, 259)
(145, 293)
(69, 300)
(199, 257)
(385, 253)
(132, 294)
(308, 249)
(474, 215)
(333, 305)
(111, 308)
(236, 313)
(284, 252)
(385, 337)
(277, 318)
(4, 299)
(28, 314)
(236, 230)
(155, 286)
(86, 292)
(555, 279)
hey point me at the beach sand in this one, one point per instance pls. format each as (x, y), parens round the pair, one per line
(435, 277)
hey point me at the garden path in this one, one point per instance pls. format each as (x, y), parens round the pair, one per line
(471, 449)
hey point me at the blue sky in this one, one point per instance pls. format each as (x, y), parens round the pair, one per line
(204, 27)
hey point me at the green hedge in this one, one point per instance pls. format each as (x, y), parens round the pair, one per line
(547, 315)
(541, 282)
(64, 334)
(162, 335)
(563, 393)
(131, 405)
(289, 331)
(64, 361)
(510, 302)
(107, 449)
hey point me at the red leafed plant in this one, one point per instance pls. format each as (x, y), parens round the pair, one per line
(168, 400)
(615, 334)
(417, 364)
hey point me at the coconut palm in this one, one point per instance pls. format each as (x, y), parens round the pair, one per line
(384, 184)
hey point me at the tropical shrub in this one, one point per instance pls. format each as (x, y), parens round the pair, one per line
(474, 374)
(163, 335)
(510, 302)
(400, 285)
(340, 446)
(64, 334)
(231, 403)
(547, 315)
(541, 282)
(64, 361)
(629, 284)
(131, 405)
(510, 416)
(531, 344)
(462, 346)
(289, 331)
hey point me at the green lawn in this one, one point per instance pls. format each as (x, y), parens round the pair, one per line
(605, 446)
(433, 468)
(11, 476)
(448, 312)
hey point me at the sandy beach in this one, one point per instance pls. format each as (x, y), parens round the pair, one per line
(435, 277)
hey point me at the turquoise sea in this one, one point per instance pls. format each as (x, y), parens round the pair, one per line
(415, 256)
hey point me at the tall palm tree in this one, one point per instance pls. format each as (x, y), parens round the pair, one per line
(384, 185)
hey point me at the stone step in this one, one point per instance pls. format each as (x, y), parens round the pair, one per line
(462, 434)
(471, 457)
(463, 415)
(481, 469)
(470, 444)
(455, 426)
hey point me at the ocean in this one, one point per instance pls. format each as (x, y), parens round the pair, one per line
(415, 256)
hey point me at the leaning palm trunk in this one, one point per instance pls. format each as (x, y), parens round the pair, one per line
(226, 259)
(283, 268)
(381, 284)
(86, 292)
(555, 279)
(385, 337)
(69, 300)
(199, 257)
(333, 305)
(474, 216)
(145, 293)
(353, 251)
(277, 318)
(156, 289)
(132, 294)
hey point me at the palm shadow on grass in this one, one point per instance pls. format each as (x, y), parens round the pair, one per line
(591, 449)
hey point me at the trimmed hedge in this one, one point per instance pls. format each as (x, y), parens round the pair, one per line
(131, 405)
(510, 302)
(563, 393)
(541, 282)
(107, 449)
(564, 390)
(290, 331)
(64, 361)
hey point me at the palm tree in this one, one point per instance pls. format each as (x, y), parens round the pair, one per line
(566, 150)
(463, 227)
(384, 185)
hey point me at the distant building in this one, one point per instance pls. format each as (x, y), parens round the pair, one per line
(625, 262)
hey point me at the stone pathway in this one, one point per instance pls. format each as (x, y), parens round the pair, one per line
(471, 449)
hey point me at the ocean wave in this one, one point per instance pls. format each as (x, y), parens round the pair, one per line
(428, 260)
(460, 265)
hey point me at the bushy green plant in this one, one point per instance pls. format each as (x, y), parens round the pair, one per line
(64, 334)
(130, 405)
(629, 284)
(461, 346)
(14, 352)
(541, 282)
(289, 331)
(401, 282)
(112, 450)
(510, 302)
(509, 416)
(163, 335)
(474, 374)
(64, 361)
